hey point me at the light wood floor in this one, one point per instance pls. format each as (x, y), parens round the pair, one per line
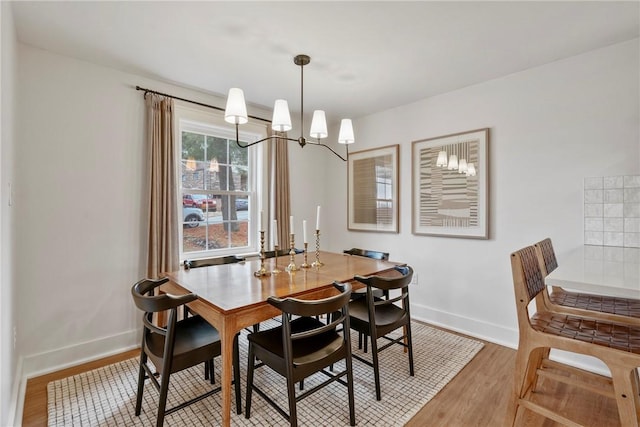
(477, 396)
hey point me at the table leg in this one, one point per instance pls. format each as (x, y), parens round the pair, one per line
(227, 335)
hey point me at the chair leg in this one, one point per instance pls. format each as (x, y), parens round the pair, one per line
(376, 371)
(236, 374)
(206, 370)
(141, 378)
(409, 343)
(626, 395)
(291, 392)
(250, 368)
(352, 405)
(162, 399)
(520, 383)
(543, 355)
(212, 370)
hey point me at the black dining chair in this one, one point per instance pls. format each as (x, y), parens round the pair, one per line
(360, 293)
(303, 346)
(178, 346)
(383, 256)
(375, 317)
(208, 262)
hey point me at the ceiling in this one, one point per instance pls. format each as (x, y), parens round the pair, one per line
(365, 56)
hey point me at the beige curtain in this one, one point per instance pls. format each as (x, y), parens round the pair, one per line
(278, 181)
(163, 252)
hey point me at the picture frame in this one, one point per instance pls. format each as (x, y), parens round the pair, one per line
(373, 190)
(446, 202)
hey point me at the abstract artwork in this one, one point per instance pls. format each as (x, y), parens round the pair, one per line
(373, 190)
(450, 185)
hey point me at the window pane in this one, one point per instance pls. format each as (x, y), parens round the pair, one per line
(217, 190)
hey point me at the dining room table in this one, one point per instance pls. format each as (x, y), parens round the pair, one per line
(603, 270)
(232, 296)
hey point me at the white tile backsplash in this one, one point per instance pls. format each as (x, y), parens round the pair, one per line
(631, 210)
(593, 210)
(594, 196)
(632, 195)
(632, 181)
(612, 212)
(613, 224)
(614, 195)
(613, 181)
(594, 183)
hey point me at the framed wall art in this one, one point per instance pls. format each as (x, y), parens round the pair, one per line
(373, 190)
(450, 185)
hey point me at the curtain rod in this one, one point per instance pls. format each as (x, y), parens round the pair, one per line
(192, 102)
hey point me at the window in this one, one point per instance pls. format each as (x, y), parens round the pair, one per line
(218, 187)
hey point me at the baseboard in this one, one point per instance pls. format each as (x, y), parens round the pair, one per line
(66, 357)
(498, 334)
(17, 397)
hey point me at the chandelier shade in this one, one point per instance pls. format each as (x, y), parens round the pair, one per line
(236, 109)
(345, 136)
(281, 121)
(318, 125)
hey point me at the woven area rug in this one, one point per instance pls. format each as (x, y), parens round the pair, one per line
(106, 396)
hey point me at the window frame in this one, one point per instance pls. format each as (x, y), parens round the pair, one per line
(205, 121)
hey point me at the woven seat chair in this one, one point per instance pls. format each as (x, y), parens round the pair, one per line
(625, 310)
(304, 346)
(616, 344)
(178, 346)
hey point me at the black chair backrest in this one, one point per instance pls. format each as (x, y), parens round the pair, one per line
(205, 262)
(387, 283)
(144, 299)
(309, 308)
(142, 293)
(281, 252)
(384, 256)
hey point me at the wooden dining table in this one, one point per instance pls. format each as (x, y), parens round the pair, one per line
(231, 297)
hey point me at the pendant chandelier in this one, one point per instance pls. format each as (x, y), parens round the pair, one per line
(236, 113)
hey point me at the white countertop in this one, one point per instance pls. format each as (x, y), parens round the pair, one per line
(606, 270)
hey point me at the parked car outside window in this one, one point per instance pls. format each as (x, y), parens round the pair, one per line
(191, 217)
(199, 201)
(242, 204)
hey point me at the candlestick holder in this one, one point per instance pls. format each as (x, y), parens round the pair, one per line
(317, 262)
(304, 263)
(292, 253)
(276, 270)
(263, 272)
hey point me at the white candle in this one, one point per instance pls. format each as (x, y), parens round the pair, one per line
(318, 219)
(291, 224)
(304, 231)
(261, 221)
(274, 233)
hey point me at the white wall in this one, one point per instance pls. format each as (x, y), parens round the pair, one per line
(550, 127)
(9, 373)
